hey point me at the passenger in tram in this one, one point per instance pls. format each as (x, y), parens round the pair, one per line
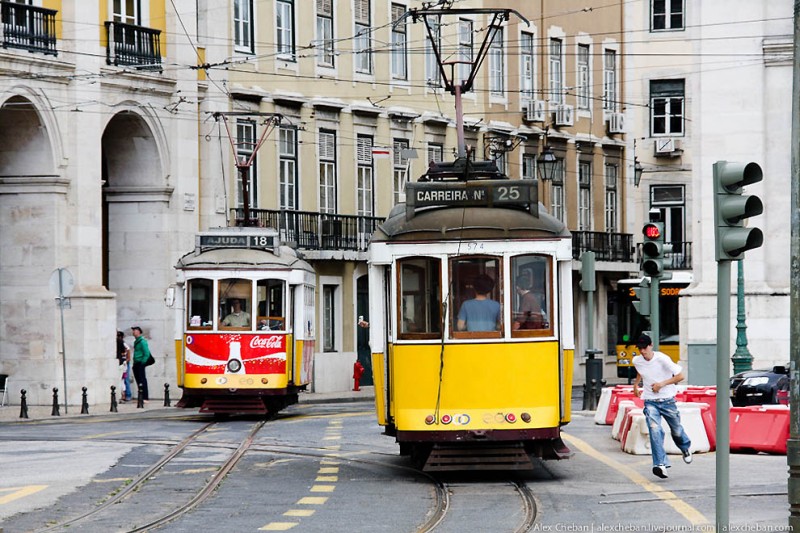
(237, 318)
(480, 313)
(529, 314)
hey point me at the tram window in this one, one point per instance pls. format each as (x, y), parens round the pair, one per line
(200, 304)
(476, 296)
(420, 298)
(235, 304)
(271, 310)
(532, 281)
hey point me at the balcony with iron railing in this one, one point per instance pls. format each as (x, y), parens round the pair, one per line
(28, 28)
(315, 231)
(612, 247)
(130, 45)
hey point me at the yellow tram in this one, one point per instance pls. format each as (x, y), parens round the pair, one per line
(246, 323)
(461, 397)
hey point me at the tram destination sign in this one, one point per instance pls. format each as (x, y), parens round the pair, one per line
(462, 194)
(233, 240)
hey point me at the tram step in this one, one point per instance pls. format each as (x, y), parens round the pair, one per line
(238, 406)
(509, 457)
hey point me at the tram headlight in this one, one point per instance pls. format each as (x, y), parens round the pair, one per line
(526, 417)
(234, 366)
(446, 419)
(511, 418)
(264, 381)
(429, 419)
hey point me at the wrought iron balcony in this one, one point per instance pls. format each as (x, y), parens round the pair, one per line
(315, 231)
(28, 28)
(617, 247)
(130, 45)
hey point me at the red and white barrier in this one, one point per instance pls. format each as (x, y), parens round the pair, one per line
(635, 434)
(760, 428)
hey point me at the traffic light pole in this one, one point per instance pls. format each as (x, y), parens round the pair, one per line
(723, 384)
(655, 325)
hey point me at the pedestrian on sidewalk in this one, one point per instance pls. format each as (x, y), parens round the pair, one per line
(659, 374)
(141, 355)
(124, 357)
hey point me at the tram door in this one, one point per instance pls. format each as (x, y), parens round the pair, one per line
(362, 334)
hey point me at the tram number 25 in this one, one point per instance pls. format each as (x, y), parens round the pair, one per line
(507, 194)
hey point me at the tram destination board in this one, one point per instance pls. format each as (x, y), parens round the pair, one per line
(484, 193)
(221, 240)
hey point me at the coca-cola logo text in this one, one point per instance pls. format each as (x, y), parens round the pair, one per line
(273, 341)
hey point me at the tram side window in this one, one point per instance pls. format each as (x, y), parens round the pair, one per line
(235, 304)
(271, 305)
(532, 281)
(476, 296)
(200, 304)
(420, 298)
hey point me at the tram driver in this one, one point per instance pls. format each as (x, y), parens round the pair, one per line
(529, 314)
(480, 313)
(238, 318)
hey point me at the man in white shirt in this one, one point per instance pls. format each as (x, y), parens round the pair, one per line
(659, 374)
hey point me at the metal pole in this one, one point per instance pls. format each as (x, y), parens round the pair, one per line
(655, 325)
(723, 384)
(63, 339)
(742, 360)
(793, 445)
(462, 144)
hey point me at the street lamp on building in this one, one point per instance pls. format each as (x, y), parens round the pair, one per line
(638, 169)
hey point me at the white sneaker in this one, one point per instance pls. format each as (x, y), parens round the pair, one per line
(660, 471)
(687, 457)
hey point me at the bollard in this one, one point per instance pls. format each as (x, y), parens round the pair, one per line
(56, 410)
(84, 402)
(166, 395)
(113, 399)
(139, 399)
(23, 404)
(594, 374)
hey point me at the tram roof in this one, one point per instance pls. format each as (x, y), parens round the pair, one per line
(243, 258)
(452, 223)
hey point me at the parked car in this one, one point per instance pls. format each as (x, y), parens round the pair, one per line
(757, 387)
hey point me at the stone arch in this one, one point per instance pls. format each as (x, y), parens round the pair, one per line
(26, 141)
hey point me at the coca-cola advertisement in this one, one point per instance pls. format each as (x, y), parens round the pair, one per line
(209, 353)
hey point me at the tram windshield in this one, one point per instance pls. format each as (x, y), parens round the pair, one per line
(235, 303)
(271, 305)
(476, 296)
(532, 293)
(201, 303)
(420, 298)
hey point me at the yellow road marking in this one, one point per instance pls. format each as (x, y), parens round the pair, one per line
(16, 493)
(329, 479)
(111, 480)
(313, 500)
(104, 435)
(329, 470)
(330, 462)
(299, 512)
(278, 526)
(691, 514)
(323, 488)
(332, 437)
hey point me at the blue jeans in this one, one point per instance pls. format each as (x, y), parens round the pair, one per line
(653, 411)
(128, 394)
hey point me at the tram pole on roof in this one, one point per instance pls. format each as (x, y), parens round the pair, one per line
(270, 122)
(454, 83)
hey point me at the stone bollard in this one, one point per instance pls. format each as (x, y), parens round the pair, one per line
(113, 399)
(56, 409)
(140, 399)
(84, 402)
(166, 395)
(23, 404)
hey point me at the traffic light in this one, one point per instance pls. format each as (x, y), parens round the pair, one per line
(642, 292)
(731, 207)
(654, 249)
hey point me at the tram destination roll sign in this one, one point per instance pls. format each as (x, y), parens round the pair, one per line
(463, 194)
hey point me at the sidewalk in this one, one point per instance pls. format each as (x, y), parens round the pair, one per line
(10, 413)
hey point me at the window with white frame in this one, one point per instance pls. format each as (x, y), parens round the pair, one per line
(528, 166)
(243, 25)
(557, 191)
(666, 15)
(362, 40)
(325, 48)
(364, 177)
(585, 195)
(284, 29)
(671, 201)
(125, 11)
(329, 318)
(556, 75)
(435, 152)
(465, 52)
(400, 169)
(245, 144)
(288, 168)
(612, 174)
(433, 77)
(610, 100)
(327, 172)
(584, 87)
(399, 51)
(666, 107)
(497, 64)
(527, 65)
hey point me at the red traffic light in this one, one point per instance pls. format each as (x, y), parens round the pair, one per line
(651, 231)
